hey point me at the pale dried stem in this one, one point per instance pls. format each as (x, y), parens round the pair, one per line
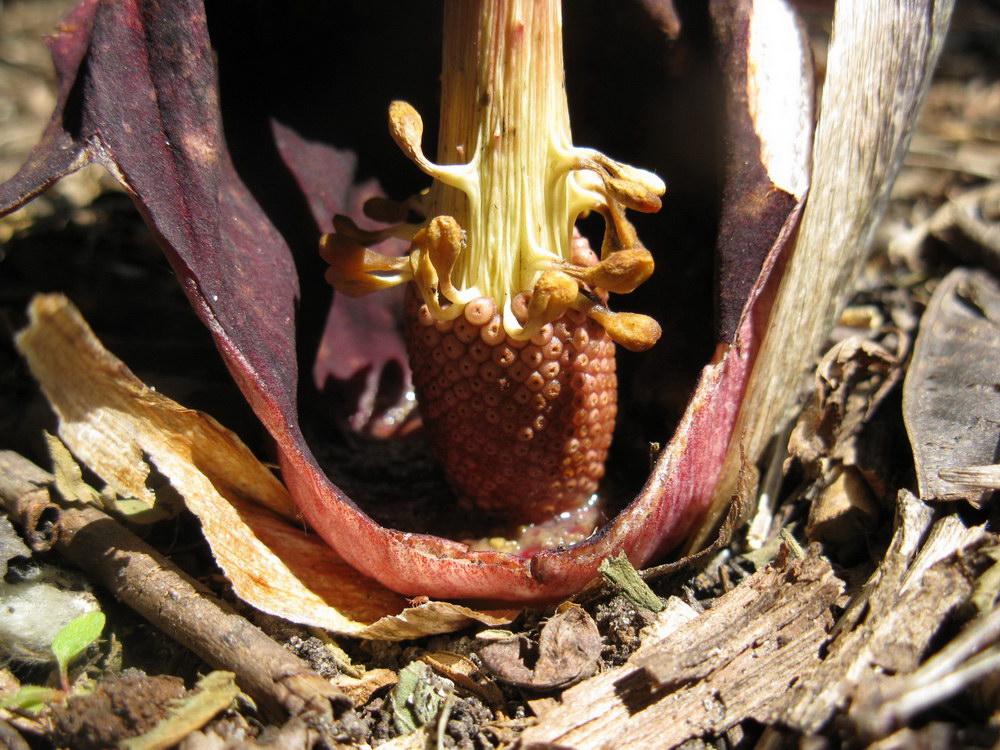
(503, 104)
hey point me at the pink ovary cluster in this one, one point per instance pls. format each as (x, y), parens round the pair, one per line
(522, 428)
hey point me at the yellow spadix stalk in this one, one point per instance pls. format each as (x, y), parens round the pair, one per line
(498, 272)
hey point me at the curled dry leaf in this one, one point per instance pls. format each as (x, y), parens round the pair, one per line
(569, 647)
(851, 380)
(464, 673)
(122, 429)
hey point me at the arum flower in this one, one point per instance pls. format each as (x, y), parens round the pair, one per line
(490, 257)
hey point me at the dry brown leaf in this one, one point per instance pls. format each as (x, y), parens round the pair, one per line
(950, 401)
(68, 475)
(361, 689)
(120, 428)
(568, 650)
(852, 379)
(464, 673)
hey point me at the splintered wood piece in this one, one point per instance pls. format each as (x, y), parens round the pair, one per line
(769, 650)
(883, 705)
(951, 404)
(924, 575)
(732, 662)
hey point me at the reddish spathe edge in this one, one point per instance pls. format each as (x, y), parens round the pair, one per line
(673, 499)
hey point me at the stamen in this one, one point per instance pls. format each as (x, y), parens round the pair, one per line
(356, 271)
(633, 331)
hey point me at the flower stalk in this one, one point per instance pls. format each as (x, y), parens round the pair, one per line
(495, 255)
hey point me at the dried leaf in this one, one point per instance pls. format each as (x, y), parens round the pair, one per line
(69, 479)
(361, 689)
(950, 401)
(986, 590)
(568, 650)
(463, 672)
(214, 692)
(121, 429)
(852, 379)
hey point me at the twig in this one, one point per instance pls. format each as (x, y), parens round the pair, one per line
(172, 601)
(24, 489)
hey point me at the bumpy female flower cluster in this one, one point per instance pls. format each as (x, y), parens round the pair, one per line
(507, 322)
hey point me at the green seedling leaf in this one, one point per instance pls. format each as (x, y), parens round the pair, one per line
(415, 701)
(618, 571)
(74, 639)
(29, 698)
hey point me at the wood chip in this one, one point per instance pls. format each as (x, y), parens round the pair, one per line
(889, 625)
(734, 661)
(769, 650)
(844, 513)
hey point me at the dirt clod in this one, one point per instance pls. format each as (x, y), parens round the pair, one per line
(121, 707)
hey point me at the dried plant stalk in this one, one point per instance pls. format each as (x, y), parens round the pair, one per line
(878, 72)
